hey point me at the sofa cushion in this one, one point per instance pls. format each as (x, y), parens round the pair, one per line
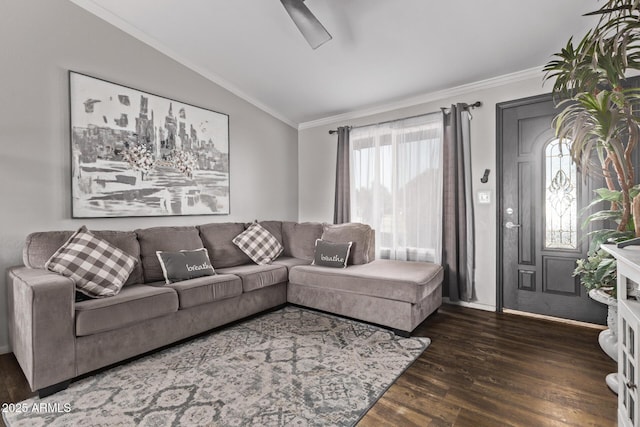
(257, 276)
(98, 268)
(290, 262)
(203, 290)
(390, 279)
(217, 238)
(133, 304)
(40, 246)
(184, 265)
(258, 244)
(331, 254)
(299, 239)
(360, 234)
(171, 239)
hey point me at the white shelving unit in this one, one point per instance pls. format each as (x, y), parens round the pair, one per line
(628, 329)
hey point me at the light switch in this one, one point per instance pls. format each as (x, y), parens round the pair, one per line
(484, 197)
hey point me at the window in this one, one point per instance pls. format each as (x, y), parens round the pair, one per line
(396, 182)
(561, 219)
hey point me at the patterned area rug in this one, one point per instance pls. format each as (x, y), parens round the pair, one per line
(289, 367)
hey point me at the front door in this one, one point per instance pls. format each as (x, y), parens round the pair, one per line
(541, 197)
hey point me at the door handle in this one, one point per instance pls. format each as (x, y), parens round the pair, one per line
(511, 225)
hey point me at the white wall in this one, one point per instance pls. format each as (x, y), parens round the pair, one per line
(317, 163)
(41, 41)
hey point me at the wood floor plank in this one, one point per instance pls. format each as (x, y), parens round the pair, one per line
(506, 370)
(564, 406)
(481, 369)
(443, 414)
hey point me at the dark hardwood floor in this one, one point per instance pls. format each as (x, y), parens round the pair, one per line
(481, 369)
(489, 369)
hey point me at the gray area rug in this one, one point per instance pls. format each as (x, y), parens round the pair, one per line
(289, 367)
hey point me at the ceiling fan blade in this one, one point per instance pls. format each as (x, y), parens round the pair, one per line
(309, 26)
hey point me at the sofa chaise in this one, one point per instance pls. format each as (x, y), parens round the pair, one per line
(56, 338)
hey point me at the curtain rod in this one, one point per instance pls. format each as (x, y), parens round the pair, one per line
(332, 131)
(466, 106)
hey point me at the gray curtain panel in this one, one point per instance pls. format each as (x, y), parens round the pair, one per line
(342, 206)
(458, 257)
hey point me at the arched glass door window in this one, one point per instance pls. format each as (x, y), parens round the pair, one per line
(560, 196)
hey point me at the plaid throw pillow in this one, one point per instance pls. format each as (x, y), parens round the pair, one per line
(98, 268)
(259, 245)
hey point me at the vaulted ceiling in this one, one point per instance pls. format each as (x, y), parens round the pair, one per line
(382, 51)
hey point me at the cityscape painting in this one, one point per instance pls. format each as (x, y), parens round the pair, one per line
(138, 154)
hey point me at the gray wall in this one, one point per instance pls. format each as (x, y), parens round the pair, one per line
(41, 41)
(317, 158)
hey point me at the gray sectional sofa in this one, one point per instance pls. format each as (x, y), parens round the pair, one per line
(56, 338)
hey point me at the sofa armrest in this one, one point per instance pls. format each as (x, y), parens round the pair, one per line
(41, 325)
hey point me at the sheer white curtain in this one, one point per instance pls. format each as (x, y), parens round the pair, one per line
(396, 186)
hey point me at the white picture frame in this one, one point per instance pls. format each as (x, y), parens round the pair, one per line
(134, 153)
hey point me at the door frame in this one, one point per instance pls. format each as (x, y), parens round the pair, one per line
(500, 108)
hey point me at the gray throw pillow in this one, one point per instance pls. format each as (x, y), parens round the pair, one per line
(361, 235)
(185, 265)
(329, 254)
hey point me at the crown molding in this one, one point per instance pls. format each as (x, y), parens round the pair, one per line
(138, 34)
(428, 97)
(135, 32)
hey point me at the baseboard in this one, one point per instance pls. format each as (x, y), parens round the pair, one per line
(556, 319)
(4, 349)
(475, 305)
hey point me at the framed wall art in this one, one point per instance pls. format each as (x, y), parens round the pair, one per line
(138, 154)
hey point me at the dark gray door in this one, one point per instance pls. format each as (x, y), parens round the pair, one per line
(541, 197)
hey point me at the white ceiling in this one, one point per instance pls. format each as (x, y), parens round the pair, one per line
(383, 51)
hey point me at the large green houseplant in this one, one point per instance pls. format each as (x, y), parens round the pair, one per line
(599, 119)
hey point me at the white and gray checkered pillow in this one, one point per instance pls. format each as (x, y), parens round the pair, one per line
(98, 268)
(259, 245)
